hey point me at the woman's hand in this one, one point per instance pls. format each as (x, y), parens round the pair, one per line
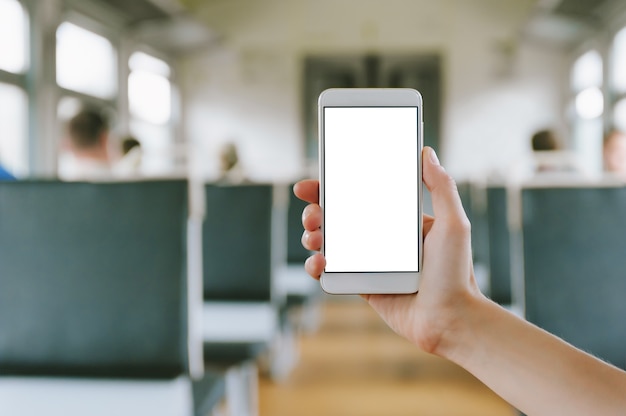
(447, 282)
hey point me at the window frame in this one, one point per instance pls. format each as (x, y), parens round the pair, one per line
(44, 94)
(20, 80)
(613, 96)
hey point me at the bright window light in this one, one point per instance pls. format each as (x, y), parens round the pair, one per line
(619, 61)
(619, 114)
(86, 62)
(140, 61)
(13, 36)
(149, 96)
(589, 103)
(13, 119)
(587, 71)
(67, 108)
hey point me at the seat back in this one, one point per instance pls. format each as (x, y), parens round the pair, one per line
(237, 241)
(472, 197)
(93, 279)
(575, 267)
(499, 245)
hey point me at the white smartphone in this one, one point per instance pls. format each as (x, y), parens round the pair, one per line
(371, 189)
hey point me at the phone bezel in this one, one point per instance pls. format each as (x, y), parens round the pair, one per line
(375, 282)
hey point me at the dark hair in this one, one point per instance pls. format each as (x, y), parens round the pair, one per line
(86, 128)
(129, 143)
(544, 140)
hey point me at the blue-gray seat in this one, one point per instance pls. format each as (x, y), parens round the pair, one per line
(575, 267)
(499, 245)
(474, 198)
(240, 319)
(240, 313)
(93, 284)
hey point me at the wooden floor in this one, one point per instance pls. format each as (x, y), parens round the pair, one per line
(354, 365)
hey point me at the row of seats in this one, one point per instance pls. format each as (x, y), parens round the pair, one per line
(555, 252)
(126, 298)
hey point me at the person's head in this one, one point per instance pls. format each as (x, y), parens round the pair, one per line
(129, 143)
(228, 157)
(544, 140)
(88, 130)
(614, 152)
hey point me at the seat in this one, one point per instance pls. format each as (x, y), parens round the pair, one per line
(241, 307)
(473, 196)
(303, 294)
(574, 265)
(95, 301)
(499, 245)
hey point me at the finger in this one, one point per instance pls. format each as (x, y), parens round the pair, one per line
(445, 196)
(428, 222)
(312, 217)
(314, 265)
(312, 240)
(308, 190)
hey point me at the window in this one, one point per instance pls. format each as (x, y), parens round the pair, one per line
(86, 62)
(149, 91)
(13, 36)
(13, 136)
(14, 53)
(586, 82)
(587, 71)
(618, 69)
(588, 101)
(618, 77)
(150, 102)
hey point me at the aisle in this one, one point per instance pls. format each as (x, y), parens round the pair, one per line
(355, 366)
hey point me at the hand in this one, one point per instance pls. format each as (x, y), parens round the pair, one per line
(447, 286)
(533, 370)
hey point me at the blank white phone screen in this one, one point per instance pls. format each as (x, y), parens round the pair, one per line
(371, 189)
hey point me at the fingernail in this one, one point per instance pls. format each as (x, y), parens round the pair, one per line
(433, 157)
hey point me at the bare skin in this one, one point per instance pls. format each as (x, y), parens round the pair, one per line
(533, 370)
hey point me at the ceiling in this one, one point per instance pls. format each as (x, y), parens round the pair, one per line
(175, 25)
(565, 23)
(167, 25)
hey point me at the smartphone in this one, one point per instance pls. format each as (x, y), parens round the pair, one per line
(371, 189)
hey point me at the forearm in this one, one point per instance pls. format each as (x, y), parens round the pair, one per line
(533, 370)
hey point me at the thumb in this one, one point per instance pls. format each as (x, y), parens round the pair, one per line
(445, 196)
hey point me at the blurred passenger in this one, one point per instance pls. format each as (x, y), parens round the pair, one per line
(88, 143)
(130, 163)
(548, 160)
(231, 171)
(614, 153)
(5, 175)
(549, 156)
(129, 143)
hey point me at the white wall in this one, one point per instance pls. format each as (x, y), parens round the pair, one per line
(497, 90)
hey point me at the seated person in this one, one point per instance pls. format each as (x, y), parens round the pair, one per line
(88, 144)
(132, 155)
(614, 154)
(5, 175)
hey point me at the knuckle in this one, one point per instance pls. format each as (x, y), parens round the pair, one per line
(459, 226)
(305, 239)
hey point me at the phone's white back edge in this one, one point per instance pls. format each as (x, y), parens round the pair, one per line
(369, 283)
(371, 97)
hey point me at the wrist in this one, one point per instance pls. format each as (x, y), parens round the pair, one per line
(464, 322)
